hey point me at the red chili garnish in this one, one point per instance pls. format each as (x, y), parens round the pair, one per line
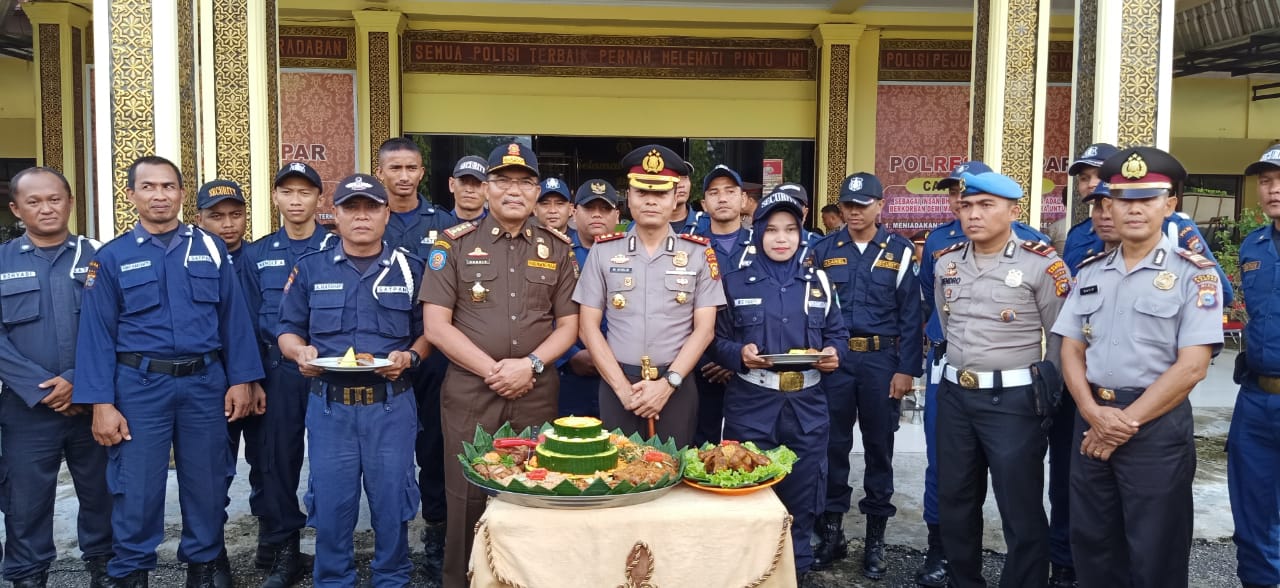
(509, 442)
(542, 438)
(537, 475)
(729, 442)
(654, 456)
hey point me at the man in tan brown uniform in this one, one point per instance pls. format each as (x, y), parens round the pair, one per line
(498, 301)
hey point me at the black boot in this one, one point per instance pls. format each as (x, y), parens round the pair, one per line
(873, 565)
(222, 570)
(807, 580)
(135, 579)
(206, 575)
(97, 568)
(36, 580)
(433, 550)
(287, 569)
(834, 547)
(265, 555)
(933, 573)
(1061, 576)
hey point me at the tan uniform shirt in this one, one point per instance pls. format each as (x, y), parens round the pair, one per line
(648, 302)
(994, 318)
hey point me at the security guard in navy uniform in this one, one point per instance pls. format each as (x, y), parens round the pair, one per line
(416, 225)
(296, 194)
(874, 276)
(161, 355)
(40, 287)
(775, 305)
(1251, 443)
(997, 297)
(684, 219)
(933, 572)
(1138, 332)
(358, 295)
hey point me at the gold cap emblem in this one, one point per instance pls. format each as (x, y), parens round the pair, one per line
(652, 162)
(599, 187)
(1134, 168)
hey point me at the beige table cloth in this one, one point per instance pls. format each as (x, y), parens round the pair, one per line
(687, 537)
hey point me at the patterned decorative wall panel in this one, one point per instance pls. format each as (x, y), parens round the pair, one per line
(837, 118)
(49, 49)
(132, 99)
(187, 106)
(77, 121)
(1086, 66)
(273, 96)
(379, 92)
(1139, 80)
(1020, 99)
(231, 97)
(981, 29)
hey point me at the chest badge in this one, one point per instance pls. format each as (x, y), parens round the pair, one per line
(682, 297)
(888, 256)
(681, 259)
(479, 293)
(543, 251)
(682, 281)
(816, 293)
(628, 282)
(1164, 280)
(951, 269)
(619, 258)
(1007, 315)
(478, 253)
(619, 301)
(1013, 279)
(1087, 329)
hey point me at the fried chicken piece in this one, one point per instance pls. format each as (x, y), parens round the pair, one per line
(731, 457)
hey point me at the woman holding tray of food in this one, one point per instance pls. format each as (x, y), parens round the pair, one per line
(778, 306)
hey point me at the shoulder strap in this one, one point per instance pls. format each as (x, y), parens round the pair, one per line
(826, 289)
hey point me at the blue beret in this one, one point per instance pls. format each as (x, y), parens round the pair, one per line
(991, 183)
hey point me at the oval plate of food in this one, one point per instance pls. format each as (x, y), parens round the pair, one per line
(735, 491)
(351, 362)
(736, 468)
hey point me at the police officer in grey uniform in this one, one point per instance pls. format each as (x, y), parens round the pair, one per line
(659, 291)
(997, 297)
(1138, 334)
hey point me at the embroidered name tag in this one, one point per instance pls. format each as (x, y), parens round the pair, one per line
(327, 286)
(266, 263)
(204, 258)
(549, 265)
(1250, 266)
(135, 265)
(391, 290)
(17, 275)
(619, 270)
(835, 261)
(1088, 290)
(747, 301)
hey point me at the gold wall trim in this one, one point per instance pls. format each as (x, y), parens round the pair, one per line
(132, 99)
(273, 93)
(187, 105)
(1020, 99)
(978, 103)
(231, 95)
(410, 64)
(837, 118)
(49, 49)
(77, 121)
(346, 33)
(379, 92)
(1139, 78)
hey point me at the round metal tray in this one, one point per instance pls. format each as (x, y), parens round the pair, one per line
(575, 502)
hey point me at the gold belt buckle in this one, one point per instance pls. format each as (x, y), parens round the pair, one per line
(1106, 394)
(357, 395)
(968, 379)
(790, 381)
(1269, 384)
(857, 343)
(648, 371)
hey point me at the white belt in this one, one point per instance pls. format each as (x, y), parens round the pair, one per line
(972, 379)
(782, 381)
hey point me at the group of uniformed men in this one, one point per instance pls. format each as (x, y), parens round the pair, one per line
(187, 339)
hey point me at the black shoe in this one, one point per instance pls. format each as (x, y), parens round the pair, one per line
(1061, 576)
(873, 565)
(287, 569)
(265, 555)
(933, 574)
(807, 580)
(36, 580)
(97, 568)
(833, 545)
(135, 579)
(433, 535)
(207, 575)
(222, 568)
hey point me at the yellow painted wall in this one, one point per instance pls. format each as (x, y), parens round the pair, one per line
(17, 108)
(1218, 129)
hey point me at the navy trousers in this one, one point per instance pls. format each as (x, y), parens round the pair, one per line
(429, 446)
(1253, 480)
(858, 392)
(281, 442)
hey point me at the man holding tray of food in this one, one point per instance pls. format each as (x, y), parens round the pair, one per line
(778, 305)
(497, 303)
(873, 273)
(659, 291)
(361, 419)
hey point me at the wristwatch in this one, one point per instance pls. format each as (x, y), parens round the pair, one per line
(414, 359)
(538, 366)
(675, 379)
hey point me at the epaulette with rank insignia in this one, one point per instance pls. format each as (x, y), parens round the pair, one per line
(610, 237)
(703, 241)
(459, 230)
(956, 247)
(1038, 248)
(1200, 261)
(557, 234)
(1095, 257)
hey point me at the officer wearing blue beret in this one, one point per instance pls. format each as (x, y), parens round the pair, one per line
(1138, 332)
(43, 274)
(775, 305)
(296, 194)
(358, 295)
(1251, 444)
(161, 356)
(873, 272)
(934, 571)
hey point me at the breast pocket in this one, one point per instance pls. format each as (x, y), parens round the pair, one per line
(881, 286)
(620, 285)
(680, 287)
(326, 311)
(538, 286)
(748, 322)
(140, 290)
(1157, 318)
(1259, 281)
(205, 282)
(20, 300)
(1019, 297)
(394, 315)
(486, 277)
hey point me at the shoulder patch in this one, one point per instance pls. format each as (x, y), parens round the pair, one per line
(557, 234)
(610, 237)
(1095, 257)
(703, 241)
(1038, 248)
(956, 247)
(459, 230)
(1200, 261)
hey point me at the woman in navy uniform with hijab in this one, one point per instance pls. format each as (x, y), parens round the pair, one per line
(777, 304)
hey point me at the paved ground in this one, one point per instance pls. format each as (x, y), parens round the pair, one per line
(1213, 555)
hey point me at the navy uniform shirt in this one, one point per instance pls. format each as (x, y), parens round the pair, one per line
(164, 302)
(419, 235)
(333, 306)
(877, 290)
(1260, 280)
(39, 312)
(739, 254)
(269, 262)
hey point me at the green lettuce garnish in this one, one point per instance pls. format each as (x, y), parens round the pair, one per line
(780, 461)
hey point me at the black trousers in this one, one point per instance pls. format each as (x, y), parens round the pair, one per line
(429, 446)
(1131, 516)
(993, 430)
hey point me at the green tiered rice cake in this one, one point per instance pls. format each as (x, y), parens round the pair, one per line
(577, 445)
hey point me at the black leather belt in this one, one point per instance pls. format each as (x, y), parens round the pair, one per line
(358, 395)
(1118, 395)
(178, 368)
(871, 343)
